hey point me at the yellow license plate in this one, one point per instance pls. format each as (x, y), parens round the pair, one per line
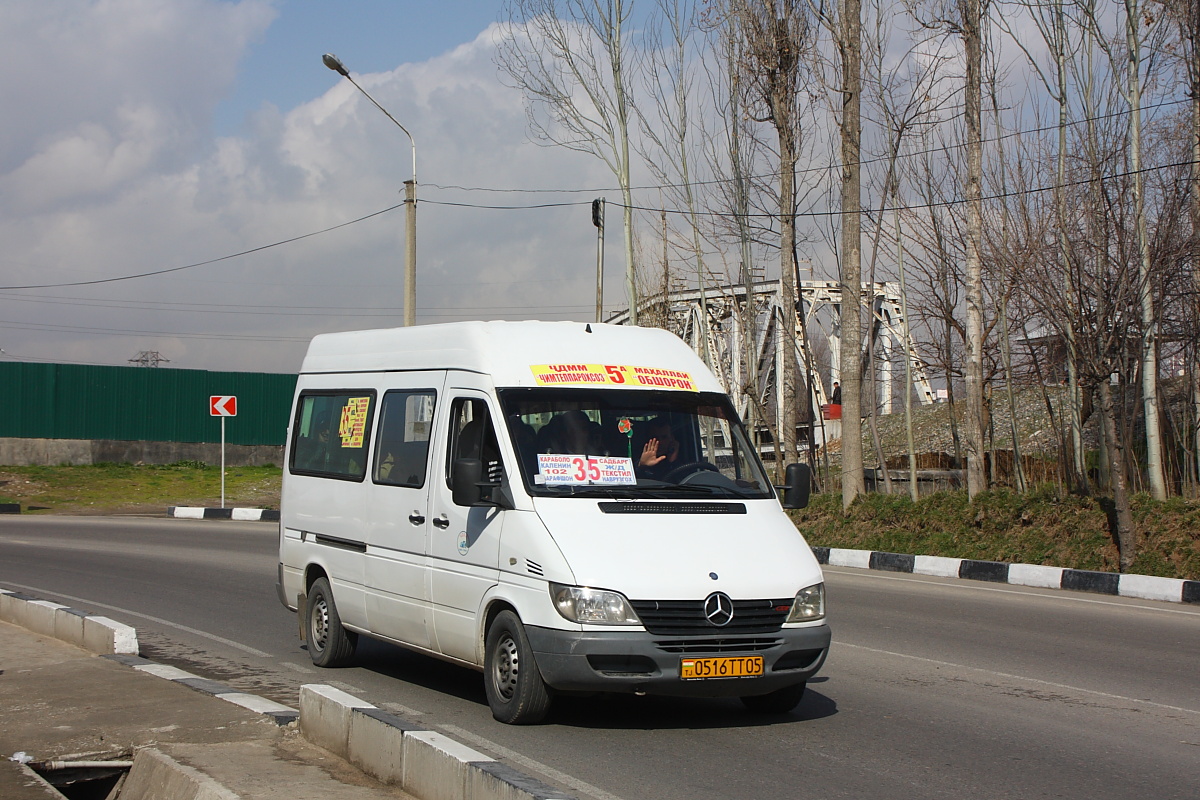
(691, 669)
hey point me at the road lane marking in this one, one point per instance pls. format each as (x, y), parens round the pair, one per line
(297, 667)
(1010, 676)
(529, 763)
(159, 620)
(347, 688)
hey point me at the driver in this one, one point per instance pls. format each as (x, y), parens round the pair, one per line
(661, 451)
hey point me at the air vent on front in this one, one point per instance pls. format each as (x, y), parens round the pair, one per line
(673, 508)
(533, 568)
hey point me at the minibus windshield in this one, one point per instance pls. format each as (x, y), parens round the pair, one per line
(631, 443)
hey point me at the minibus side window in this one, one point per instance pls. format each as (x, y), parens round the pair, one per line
(406, 422)
(473, 436)
(331, 433)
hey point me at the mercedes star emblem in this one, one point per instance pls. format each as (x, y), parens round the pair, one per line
(718, 609)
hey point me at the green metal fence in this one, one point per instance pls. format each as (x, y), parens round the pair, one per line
(65, 401)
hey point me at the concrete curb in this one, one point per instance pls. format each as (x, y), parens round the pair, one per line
(244, 514)
(281, 714)
(1145, 587)
(422, 762)
(92, 632)
(155, 774)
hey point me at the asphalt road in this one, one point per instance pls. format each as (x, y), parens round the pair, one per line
(934, 688)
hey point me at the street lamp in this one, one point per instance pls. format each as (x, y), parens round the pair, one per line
(410, 200)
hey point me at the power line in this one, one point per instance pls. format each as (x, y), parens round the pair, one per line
(203, 263)
(774, 175)
(535, 206)
(252, 310)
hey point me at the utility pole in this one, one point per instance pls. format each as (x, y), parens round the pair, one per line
(598, 221)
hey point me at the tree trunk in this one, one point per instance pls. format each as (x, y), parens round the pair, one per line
(1154, 458)
(1126, 534)
(973, 409)
(851, 267)
(909, 436)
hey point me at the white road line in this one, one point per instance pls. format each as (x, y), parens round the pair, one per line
(345, 687)
(159, 620)
(963, 583)
(405, 711)
(297, 667)
(529, 763)
(1010, 676)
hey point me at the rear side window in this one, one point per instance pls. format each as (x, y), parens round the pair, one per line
(331, 433)
(405, 424)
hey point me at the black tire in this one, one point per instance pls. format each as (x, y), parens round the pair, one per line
(780, 701)
(329, 644)
(515, 689)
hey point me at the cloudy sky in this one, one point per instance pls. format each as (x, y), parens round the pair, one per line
(149, 135)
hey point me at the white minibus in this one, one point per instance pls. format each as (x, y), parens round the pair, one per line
(567, 507)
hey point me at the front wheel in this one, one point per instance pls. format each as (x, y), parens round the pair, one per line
(329, 644)
(780, 701)
(515, 689)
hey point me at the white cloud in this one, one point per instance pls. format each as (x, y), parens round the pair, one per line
(117, 175)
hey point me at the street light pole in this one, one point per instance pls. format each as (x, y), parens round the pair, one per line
(410, 200)
(598, 221)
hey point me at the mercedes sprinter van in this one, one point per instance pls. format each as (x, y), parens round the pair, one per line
(567, 507)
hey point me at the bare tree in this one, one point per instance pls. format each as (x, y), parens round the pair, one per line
(775, 36)
(971, 18)
(572, 61)
(847, 36)
(1154, 453)
(1051, 22)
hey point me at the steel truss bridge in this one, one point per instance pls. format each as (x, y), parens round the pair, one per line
(721, 322)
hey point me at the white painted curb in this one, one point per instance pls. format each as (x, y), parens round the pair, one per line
(424, 763)
(98, 634)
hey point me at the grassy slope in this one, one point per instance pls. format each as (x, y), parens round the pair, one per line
(1041, 527)
(128, 488)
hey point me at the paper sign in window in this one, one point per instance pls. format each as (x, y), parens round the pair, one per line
(582, 470)
(353, 423)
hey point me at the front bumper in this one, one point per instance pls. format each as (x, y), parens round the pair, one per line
(641, 662)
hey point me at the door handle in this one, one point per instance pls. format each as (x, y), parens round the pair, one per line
(416, 519)
(441, 522)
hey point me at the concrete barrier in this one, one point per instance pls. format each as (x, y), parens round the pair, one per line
(39, 616)
(108, 637)
(155, 775)
(325, 717)
(424, 763)
(98, 634)
(1149, 587)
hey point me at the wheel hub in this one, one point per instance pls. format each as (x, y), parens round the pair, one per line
(507, 668)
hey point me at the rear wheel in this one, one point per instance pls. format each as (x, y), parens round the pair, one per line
(329, 644)
(780, 701)
(515, 689)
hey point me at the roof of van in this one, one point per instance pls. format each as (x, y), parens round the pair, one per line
(521, 354)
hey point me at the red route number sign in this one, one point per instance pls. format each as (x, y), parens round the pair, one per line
(222, 406)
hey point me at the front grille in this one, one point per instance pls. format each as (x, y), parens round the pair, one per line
(712, 646)
(686, 617)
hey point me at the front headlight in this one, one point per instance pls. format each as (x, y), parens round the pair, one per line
(592, 606)
(809, 604)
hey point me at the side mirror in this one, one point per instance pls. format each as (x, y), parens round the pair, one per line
(464, 486)
(468, 486)
(798, 486)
